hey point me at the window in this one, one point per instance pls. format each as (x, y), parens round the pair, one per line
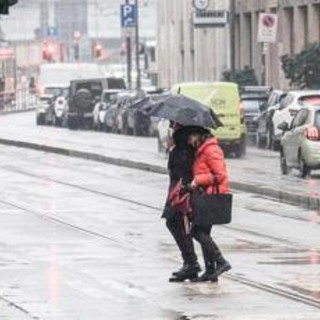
(305, 25)
(289, 18)
(300, 119)
(248, 27)
(286, 101)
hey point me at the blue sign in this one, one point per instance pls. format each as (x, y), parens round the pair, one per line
(128, 16)
(52, 32)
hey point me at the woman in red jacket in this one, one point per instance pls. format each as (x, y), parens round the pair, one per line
(209, 168)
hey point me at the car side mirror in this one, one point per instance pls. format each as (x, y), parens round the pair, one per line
(284, 126)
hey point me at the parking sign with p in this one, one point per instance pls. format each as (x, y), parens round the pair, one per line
(128, 16)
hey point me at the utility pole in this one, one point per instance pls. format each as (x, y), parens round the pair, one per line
(129, 55)
(129, 60)
(138, 47)
(232, 38)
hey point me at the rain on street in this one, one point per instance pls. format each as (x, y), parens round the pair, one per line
(81, 238)
(159, 160)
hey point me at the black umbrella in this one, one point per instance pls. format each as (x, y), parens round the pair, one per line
(186, 111)
(148, 102)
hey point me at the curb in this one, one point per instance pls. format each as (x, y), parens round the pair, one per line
(282, 196)
(7, 112)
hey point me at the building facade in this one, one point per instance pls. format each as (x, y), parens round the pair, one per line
(299, 25)
(186, 53)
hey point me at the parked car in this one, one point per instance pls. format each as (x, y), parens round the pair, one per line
(51, 106)
(60, 111)
(253, 98)
(288, 108)
(115, 119)
(134, 121)
(44, 110)
(164, 135)
(224, 99)
(99, 113)
(83, 96)
(300, 142)
(265, 131)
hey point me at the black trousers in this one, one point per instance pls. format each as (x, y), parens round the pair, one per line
(210, 250)
(184, 241)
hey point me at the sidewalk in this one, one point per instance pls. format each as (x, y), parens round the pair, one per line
(258, 173)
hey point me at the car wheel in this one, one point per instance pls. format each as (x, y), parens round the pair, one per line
(58, 122)
(303, 168)
(276, 145)
(261, 142)
(40, 120)
(126, 129)
(73, 123)
(270, 138)
(283, 163)
(241, 149)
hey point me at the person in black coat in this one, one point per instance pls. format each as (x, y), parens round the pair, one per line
(181, 158)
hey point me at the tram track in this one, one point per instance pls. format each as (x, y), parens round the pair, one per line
(232, 277)
(62, 167)
(133, 202)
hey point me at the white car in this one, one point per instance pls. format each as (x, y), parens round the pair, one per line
(164, 135)
(300, 143)
(100, 108)
(44, 110)
(52, 105)
(289, 107)
(60, 111)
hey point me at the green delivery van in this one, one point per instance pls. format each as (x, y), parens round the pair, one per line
(224, 99)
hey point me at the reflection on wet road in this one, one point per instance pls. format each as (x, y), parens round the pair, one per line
(82, 240)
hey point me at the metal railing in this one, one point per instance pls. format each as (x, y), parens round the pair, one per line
(22, 100)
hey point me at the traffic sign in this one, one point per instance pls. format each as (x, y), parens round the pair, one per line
(129, 15)
(52, 32)
(268, 27)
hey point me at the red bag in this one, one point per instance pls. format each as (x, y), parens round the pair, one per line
(180, 199)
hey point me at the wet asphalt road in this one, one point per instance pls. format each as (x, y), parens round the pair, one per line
(83, 240)
(259, 168)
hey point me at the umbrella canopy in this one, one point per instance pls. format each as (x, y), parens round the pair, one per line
(148, 102)
(186, 111)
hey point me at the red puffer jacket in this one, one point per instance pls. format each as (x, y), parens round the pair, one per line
(210, 165)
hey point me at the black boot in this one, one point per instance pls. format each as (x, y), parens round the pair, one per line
(184, 267)
(188, 273)
(222, 267)
(209, 274)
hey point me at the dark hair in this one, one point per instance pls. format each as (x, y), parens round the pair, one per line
(198, 130)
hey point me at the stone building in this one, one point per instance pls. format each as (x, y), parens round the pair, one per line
(299, 25)
(186, 53)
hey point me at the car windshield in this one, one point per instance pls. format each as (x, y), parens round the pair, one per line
(54, 91)
(109, 97)
(252, 106)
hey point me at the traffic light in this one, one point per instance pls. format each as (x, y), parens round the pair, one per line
(47, 51)
(5, 4)
(97, 50)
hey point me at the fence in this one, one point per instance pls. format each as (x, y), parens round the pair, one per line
(21, 101)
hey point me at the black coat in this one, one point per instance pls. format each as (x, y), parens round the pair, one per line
(180, 163)
(181, 159)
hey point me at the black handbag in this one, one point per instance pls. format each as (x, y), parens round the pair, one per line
(212, 209)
